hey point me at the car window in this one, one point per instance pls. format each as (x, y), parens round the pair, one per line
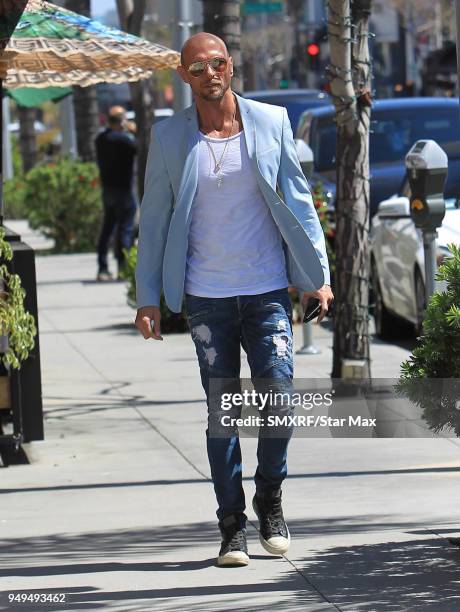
(283, 100)
(394, 132)
(323, 144)
(304, 126)
(295, 109)
(295, 105)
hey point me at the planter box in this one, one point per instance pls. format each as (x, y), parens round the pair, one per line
(5, 393)
(24, 392)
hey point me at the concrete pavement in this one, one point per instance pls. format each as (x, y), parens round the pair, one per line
(116, 509)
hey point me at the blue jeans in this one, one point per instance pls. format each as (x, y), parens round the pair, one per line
(262, 325)
(119, 213)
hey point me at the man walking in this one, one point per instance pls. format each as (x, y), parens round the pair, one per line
(116, 151)
(214, 226)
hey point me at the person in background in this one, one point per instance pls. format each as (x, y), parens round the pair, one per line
(116, 152)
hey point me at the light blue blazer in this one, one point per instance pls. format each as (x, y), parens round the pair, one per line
(170, 184)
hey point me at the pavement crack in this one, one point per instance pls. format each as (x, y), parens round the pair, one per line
(312, 585)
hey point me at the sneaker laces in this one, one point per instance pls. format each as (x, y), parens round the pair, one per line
(237, 541)
(274, 515)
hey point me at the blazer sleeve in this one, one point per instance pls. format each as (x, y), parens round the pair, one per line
(155, 217)
(297, 195)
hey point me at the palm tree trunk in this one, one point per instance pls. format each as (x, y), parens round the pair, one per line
(131, 15)
(86, 121)
(223, 18)
(27, 137)
(350, 85)
(85, 101)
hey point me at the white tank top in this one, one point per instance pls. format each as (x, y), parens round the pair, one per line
(235, 247)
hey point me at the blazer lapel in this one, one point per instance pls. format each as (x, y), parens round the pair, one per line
(249, 129)
(249, 125)
(189, 180)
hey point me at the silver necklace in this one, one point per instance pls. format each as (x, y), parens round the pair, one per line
(219, 164)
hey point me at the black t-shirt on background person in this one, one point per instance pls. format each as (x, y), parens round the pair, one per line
(115, 157)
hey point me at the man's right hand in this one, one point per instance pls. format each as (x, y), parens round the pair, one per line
(148, 322)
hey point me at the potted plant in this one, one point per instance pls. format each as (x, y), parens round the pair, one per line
(17, 327)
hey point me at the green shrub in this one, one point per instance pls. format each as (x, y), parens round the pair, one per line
(437, 354)
(14, 188)
(15, 323)
(63, 201)
(16, 156)
(170, 322)
(14, 193)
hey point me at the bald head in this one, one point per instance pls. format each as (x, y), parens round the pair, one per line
(208, 80)
(116, 110)
(199, 43)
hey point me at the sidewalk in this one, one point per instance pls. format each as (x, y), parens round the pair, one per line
(116, 508)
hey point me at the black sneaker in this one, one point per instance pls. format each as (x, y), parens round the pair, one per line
(274, 533)
(234, 549)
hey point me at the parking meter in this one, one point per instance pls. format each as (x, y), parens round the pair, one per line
(305, 155)
(426, 166)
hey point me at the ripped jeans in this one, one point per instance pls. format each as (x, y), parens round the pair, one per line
(262, 325)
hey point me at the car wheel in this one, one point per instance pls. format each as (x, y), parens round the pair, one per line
(420, 302)
(386, 325)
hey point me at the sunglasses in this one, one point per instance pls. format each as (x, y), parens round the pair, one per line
(218, 64)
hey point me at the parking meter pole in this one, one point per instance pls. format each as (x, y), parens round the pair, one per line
(308, 347)
(429, 247)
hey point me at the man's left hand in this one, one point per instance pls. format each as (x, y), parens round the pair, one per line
(324, 295)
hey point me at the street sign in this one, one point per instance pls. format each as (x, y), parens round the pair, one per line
(263, 6)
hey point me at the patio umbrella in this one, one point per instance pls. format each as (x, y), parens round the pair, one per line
(52, 46)
(30, 97)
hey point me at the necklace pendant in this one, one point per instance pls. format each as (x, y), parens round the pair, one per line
(219, 182)
(216, 168)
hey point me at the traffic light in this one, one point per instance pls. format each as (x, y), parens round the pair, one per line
(316, 37)
(313, 57)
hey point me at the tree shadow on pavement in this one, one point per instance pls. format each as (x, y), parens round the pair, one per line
(414, 574)
(37, 552)
(170, 548)
(283, 594)
(391, 576)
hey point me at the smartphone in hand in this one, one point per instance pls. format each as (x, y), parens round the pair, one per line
(312, 310)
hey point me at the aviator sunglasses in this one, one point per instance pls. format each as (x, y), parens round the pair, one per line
(219, 64)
